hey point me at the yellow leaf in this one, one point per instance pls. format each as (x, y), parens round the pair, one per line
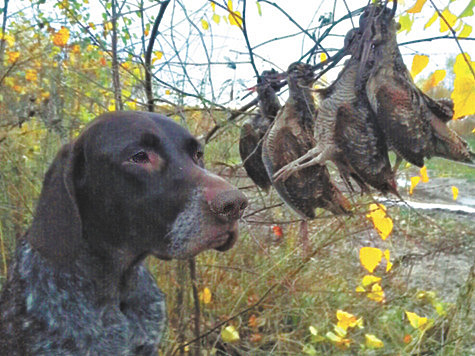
(259, 10)
(370, 257)
(382, 223)
(414, 182)
(158, 54)
(455, 192)
(463, 94)
(8, 38)
(373, 342)
(132, 105)
(466, 31)
(235, 18)
(230, 334)
(339, 341)
(417, 7)
(347, 320)
(91, 25)
(108, 26)
(434, 79)
(13, 56)
(216, 18)
(451, 19)
(167, 92)
(323, 57)
(61, 37)
(387, 256)
(431, 20)
(204, 24)
(416, 321)
(406, 23)
(9, 81)
(205, 296)
(213, 6)
(31, 75)
(360, 289)
(419, 62)
(369, 279)
(423, 171)
(376, 294)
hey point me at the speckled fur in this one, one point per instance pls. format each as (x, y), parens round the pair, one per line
(46, 311)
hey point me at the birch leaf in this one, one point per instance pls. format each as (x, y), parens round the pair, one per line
(417, 7)
(370, 258)
(419, 62)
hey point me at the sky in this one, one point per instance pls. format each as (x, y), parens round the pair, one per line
(183, 39)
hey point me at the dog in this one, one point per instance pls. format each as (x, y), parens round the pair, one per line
(133, 184)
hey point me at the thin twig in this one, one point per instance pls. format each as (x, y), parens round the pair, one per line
(196, 303)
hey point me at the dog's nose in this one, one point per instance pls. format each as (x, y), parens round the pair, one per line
(223, 199)
(229, 204)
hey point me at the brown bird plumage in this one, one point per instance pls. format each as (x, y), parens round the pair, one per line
(290, 137)
(347, 132)
(413, 123)
(254, 129)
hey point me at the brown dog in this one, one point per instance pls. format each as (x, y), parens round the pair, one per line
(131, 185)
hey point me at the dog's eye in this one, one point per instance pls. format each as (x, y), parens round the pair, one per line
(198, 156)
(140, 157)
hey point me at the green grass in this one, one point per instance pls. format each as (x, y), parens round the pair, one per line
(268, 288)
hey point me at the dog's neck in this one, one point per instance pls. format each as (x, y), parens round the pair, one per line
(113, 269)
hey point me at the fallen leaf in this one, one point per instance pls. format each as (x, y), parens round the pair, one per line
(389, 265)
(230, 334)
(376, 294)
(414, 182)
(382, 223)
(455, 192)
(424, 176)
(373, 342)
(369, 279)
(370, 257)
(347, 320)
(255, 338)
(205, 296)
(277, 231)
(416, 321)
(407, 339)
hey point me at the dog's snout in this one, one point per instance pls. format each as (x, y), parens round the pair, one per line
(229, 204)
(224, 200)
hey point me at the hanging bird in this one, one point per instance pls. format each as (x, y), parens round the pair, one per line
(254, 129)
(291, 136)
(413, 123)
(346, 130)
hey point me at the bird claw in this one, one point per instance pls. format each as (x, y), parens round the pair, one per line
(285, 172)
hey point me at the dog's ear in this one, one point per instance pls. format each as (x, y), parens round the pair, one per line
(56, 229)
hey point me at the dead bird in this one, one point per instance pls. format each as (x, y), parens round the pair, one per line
(254, 129)
(346, 130)
(290, 137)
(414, 124)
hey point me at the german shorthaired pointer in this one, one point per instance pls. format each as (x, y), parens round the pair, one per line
(131, 185)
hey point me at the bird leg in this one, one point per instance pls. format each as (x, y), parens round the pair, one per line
(304, 237)
(314, 157)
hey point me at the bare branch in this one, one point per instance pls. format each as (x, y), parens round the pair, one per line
(148, 56)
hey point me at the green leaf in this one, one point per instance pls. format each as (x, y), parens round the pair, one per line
(468, 10)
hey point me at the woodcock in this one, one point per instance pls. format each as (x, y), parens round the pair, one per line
(346, 130)
(254, 129)
(413, 123)
(290, 137)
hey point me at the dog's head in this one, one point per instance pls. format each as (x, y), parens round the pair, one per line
(135, 182)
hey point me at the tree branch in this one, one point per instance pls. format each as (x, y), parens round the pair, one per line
(148, 56)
